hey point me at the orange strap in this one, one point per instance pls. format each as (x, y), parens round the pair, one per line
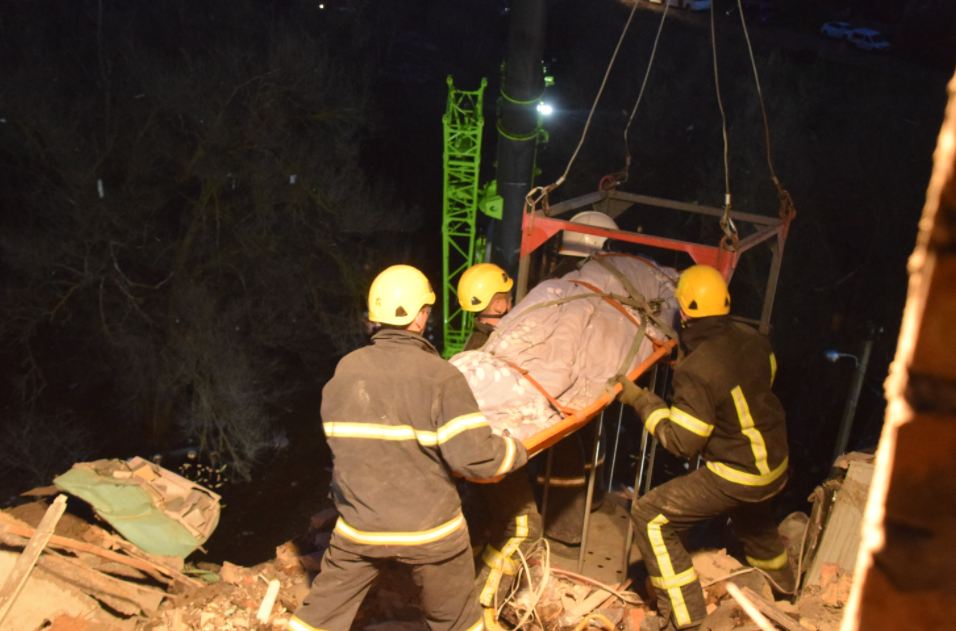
(611, 301)
(566, 412)
(614, 303)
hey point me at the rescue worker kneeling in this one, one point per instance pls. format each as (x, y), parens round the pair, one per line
(399, 420)
(724, 409)
(508, 507)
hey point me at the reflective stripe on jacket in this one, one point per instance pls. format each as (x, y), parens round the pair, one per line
(723, 406)
(399, 420)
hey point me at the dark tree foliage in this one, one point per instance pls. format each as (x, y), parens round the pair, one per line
(187, 228)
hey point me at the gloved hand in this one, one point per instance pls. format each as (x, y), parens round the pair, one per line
(630, 393)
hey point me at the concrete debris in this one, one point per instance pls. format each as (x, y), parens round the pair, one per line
(234, 574)
(635, 616)
(715, 567)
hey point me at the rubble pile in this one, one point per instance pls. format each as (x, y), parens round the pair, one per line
(91, 578)
(809, 611)
(566, 601)
(241, 600)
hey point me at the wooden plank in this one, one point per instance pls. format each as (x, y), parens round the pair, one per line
(268, 602)
(135, 552)
(131, 598)
(840, 542)
(126, 597)
(28, 559)
(16, 527)
(769, 610)
(590, 603)
(57, 541)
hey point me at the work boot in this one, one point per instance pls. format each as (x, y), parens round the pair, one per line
(492, 595)
(783, 582)
(656, 623)
(651, 622)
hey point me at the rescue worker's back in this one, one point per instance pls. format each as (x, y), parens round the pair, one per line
(399, 419)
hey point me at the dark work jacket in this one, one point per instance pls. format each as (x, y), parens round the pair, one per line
(723, 406)
(399, 420)
(479, 335)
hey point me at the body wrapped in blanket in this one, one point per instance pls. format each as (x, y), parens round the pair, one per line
(570, 348)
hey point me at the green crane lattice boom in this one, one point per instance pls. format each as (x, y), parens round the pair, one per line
(462, 124)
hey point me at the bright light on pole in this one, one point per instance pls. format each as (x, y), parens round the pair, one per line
(544, 109)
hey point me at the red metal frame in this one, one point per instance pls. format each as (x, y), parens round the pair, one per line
(538, 227)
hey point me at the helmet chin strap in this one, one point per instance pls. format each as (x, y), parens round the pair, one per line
(498, 309)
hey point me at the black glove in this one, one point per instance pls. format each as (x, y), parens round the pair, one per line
(630, 392)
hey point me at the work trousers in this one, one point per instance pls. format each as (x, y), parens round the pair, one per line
(661, 516)
(448, 598)
(515, 524)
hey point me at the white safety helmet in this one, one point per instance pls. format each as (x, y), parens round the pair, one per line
(583, 245)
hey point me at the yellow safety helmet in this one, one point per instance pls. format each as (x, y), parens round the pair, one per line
(702, 292)
(398, 294)
(479, 284)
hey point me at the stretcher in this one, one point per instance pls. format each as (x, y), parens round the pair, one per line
(577, 419)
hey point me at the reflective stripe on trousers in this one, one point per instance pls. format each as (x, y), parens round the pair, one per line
(502, 562)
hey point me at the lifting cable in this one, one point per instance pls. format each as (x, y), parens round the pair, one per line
(627, 152)
(540, 192)
(787, 211)
(730, 240)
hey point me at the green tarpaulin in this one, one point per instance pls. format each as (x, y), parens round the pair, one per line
(129, 509)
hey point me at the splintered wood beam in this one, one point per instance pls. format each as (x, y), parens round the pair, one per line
(28, 558)
(767, 609)
(71, 544)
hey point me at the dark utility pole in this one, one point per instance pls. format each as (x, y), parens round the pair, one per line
(522, 85)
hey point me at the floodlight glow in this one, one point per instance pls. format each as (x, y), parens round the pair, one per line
(834, 356)
(545, 109)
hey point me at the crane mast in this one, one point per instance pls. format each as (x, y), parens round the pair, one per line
(462, 125)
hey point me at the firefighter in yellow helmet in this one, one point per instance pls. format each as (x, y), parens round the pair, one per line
(508, 507)
(399, 421)
(723, 409)
(485, 290)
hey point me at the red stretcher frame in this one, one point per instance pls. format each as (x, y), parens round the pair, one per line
(573, 422)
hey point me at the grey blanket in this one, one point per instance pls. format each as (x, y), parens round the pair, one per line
(571, 349)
